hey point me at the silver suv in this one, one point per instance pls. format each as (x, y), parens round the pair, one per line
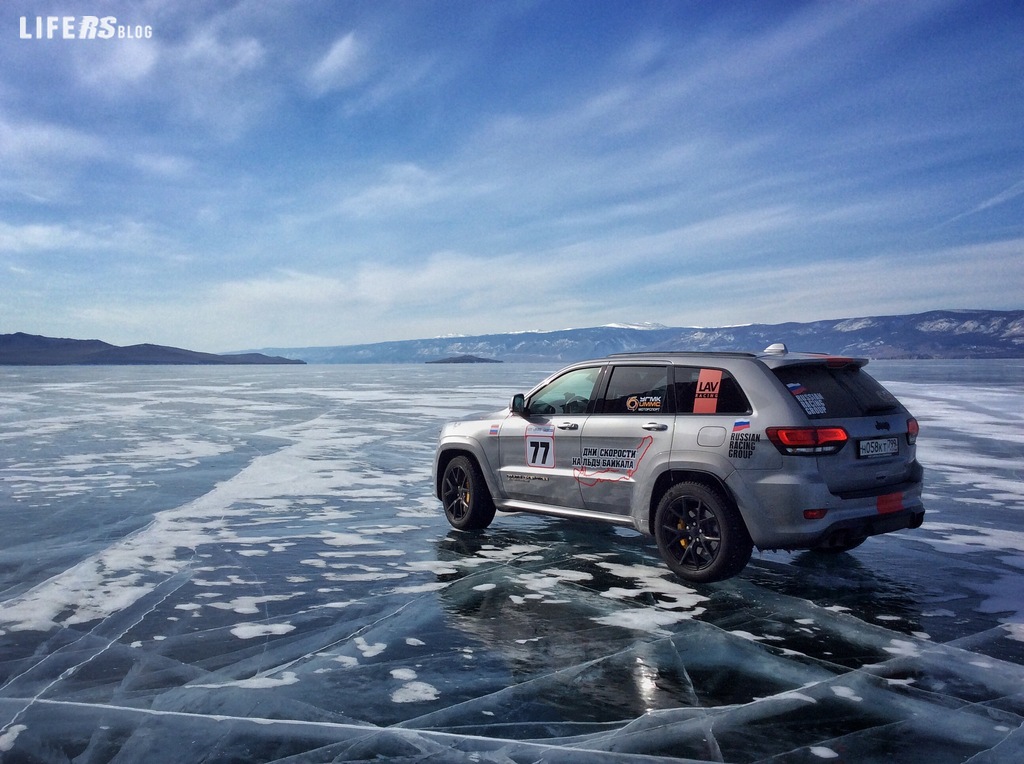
(711, 453)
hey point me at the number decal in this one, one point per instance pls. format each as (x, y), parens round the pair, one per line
(540, 446)
(539, 453)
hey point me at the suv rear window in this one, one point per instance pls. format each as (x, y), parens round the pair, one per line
(825, 392)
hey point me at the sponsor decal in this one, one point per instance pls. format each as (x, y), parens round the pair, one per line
(644, 403)
(743, 442)
(813, 403)
(604, 465)
(540, 445)
(709, 384)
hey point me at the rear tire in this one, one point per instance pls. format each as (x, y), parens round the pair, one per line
(700, 534)
(467, 501)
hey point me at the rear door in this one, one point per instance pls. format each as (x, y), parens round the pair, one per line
(537, 451)
(634, 421)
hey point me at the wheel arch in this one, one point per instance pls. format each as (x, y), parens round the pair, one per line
(671, 477)
(449, 452)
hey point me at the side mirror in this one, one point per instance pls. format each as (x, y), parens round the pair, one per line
(518, 404)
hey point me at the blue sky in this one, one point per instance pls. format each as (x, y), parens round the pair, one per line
(258, 174)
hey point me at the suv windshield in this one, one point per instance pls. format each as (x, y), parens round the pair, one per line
(825, 392)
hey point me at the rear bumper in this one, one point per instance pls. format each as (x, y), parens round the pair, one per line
(774, 503)
(842, 533)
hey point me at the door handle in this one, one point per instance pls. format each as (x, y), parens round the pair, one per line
(568, 426)
(655, 426)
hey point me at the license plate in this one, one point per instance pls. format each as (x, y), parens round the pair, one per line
(870, 449)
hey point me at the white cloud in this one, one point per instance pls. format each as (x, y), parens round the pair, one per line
(341, 67)
(28, 141)
(164, 165)
(125, 236)
(107, 68)
(904, 282)
(27, 238)
(222, 59)
(402, 186)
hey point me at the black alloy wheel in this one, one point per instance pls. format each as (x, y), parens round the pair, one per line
(467, 502)
(700, 534)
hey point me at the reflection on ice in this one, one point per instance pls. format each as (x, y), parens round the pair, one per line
(280, 586)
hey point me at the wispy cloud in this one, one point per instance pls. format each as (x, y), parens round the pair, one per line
(343, 65)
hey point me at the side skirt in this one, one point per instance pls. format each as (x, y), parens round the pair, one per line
(509, 505)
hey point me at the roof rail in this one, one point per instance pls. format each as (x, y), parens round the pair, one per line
(682, 354)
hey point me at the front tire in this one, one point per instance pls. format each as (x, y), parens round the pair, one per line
(700, 534)
(464, 495)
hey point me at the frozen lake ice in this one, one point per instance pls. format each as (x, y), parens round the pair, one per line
(247, 564)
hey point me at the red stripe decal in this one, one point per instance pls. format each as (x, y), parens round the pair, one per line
(891, 502)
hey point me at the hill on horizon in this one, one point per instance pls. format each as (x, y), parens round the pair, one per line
(933, 334)
(20, 349)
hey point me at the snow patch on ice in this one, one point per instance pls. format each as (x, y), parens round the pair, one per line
(10, 735)
(848, 693)
(904, 648)
(415, 692)
(253, 630)
(255, 683)
(675, 602)
(370, 650)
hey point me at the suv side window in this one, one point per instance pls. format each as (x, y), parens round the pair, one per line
(709, 391)
(570, 393)
(638, 390)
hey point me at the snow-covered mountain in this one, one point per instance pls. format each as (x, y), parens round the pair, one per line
(937, 334)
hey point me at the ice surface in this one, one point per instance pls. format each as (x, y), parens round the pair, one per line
(247, 564)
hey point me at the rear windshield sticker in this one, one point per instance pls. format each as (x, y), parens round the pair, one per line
(813, 403)
(709, 384)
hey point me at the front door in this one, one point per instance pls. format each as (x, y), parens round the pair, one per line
(634, 422)
(538, 450)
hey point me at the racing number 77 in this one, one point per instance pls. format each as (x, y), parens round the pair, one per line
(539, 453)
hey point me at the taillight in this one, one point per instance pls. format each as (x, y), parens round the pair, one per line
(913, 428)
(807, 441)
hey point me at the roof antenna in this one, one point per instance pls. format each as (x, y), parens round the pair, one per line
(779, 348)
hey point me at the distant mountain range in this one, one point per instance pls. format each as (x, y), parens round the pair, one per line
(31, 350)
(936, 334)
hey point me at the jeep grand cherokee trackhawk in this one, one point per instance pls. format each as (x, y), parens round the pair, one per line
(711, 453)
